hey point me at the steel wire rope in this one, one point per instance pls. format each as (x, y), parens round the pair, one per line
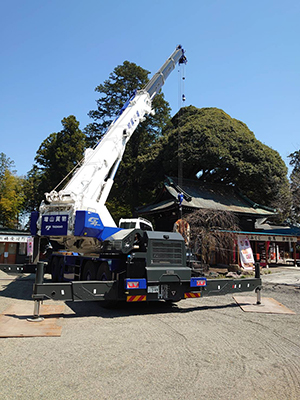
(78, 164)
(181, 100)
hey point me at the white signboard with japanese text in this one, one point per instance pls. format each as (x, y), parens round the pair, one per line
(30, 246)
(13, 238)
(246, 254)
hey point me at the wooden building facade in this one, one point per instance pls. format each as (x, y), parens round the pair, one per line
(269, 244)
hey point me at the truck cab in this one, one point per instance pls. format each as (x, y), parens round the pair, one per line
(135, 223)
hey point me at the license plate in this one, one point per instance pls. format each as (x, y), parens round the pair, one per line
(164, 291)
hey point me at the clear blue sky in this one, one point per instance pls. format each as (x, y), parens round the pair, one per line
(243, 57)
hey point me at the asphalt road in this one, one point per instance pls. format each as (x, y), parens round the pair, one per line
(200, 348)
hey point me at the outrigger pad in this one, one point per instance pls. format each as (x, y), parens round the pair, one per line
(14, 323)
(268, 305)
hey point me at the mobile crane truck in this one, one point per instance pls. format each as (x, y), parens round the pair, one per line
(102, 261)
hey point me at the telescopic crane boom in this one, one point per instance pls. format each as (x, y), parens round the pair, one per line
(76, 216)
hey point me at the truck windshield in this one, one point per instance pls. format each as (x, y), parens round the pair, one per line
(127, 225)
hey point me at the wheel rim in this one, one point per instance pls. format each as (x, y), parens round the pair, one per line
(88, 276)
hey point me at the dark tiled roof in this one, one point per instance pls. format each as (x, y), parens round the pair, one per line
(199, 195)
(278, 230)
(8, 231)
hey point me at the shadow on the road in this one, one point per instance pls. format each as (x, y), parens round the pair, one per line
(17, 286)
(94, 309)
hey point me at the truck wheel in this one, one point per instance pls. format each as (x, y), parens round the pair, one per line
(60, 270)
(104, 273)
(89, 271)
(54, 269)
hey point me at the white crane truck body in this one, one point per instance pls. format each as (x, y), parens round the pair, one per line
(111, 263)
(77, 216)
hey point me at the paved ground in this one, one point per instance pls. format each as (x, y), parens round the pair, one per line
(200, 348)
(283, 275)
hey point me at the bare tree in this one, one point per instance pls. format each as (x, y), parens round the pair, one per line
(212, 230)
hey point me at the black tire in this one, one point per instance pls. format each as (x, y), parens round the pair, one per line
(54, 268)
(89, 271)
(60, 270)
(104, 273)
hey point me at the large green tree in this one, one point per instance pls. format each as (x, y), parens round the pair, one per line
(217, 148)
(11, 193)
(6, 163)
(56, 157)
(133, 184)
